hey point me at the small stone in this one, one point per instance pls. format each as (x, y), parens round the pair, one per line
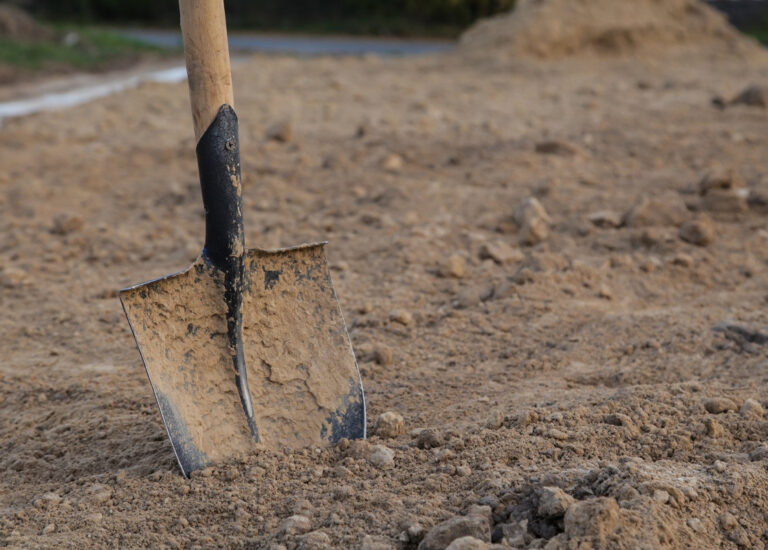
(695, 524)
(467, 543)
(605, 292)
(335, 161)
(605, 219)
(481, 511)
(625, 492)
(619, 419)
(228, 474)
(660, 496)
(553, 502)
(752, 96)
(714, 428)
(534, 231)
(281, 131)
(302, 507)
(454, 267)
(719, 405)
(740, 537)
(759, 453)
(389, 424)
(650, 265)
(48, 529)
(392, 162)
(514, 533)
(382, 355)
(501, 253)
(64, 224)
(48, 501)
(596, 517)
(665, 210)
(533, 221)
(720, 466)
(720, 178)
(443, 534)
(471, 296)
(650, 236)
(463, 471)
(96, 517)
(727, 521)
(203, 472)
(725, 201)
(401, 316)
(363, 129)
(719, 102)
(11, 277)
(98, 493)
(682, 260)
(428, 439)
(296, 525)
(495, 420)
(751, 409)
(554, 433)
(371, 543)
(314, 540)
(556, 147)
(700, 232)
(382, 457)
(156, 475)
(367, 307)
(415, 532)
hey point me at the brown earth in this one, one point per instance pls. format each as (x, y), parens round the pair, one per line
(552, 29)
(18, 24)
(607, 338)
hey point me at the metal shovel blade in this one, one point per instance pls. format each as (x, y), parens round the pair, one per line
(302, 375)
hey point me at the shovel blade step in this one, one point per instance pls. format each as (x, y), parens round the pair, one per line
(302, 375)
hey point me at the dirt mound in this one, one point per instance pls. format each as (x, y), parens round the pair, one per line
(18, 24)
(552, 29)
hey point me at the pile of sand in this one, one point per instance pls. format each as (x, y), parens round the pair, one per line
(552, 29)
(17, 24)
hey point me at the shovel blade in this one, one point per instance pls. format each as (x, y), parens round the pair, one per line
(302, 375)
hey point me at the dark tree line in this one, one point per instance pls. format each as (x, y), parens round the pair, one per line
(368, 15)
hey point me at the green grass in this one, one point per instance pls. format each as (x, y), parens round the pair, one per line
(95, 49)
(761, 35)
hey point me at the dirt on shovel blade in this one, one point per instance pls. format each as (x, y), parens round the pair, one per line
(553, 274)
(302, 375)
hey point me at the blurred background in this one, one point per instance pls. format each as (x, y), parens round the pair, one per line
(50, 37)
(383, 17)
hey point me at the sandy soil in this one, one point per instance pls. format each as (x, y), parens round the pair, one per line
(611, 346)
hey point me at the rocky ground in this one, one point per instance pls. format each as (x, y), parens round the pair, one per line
(554, 275)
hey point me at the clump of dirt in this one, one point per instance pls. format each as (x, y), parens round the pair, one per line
(17, 24)
(552, 29)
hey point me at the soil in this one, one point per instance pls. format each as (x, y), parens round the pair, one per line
(550, 29)
(17, 24)
(582, 370)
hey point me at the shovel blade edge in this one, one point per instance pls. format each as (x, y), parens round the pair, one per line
(303, 378)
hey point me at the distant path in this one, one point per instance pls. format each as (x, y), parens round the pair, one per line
(304, 44)
(92, 87)
(102, 85)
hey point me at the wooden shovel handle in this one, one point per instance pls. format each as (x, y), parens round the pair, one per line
(204, 29)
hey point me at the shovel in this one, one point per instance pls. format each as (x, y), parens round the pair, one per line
(246, 349)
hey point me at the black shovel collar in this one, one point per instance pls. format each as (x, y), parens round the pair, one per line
(218, 160)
